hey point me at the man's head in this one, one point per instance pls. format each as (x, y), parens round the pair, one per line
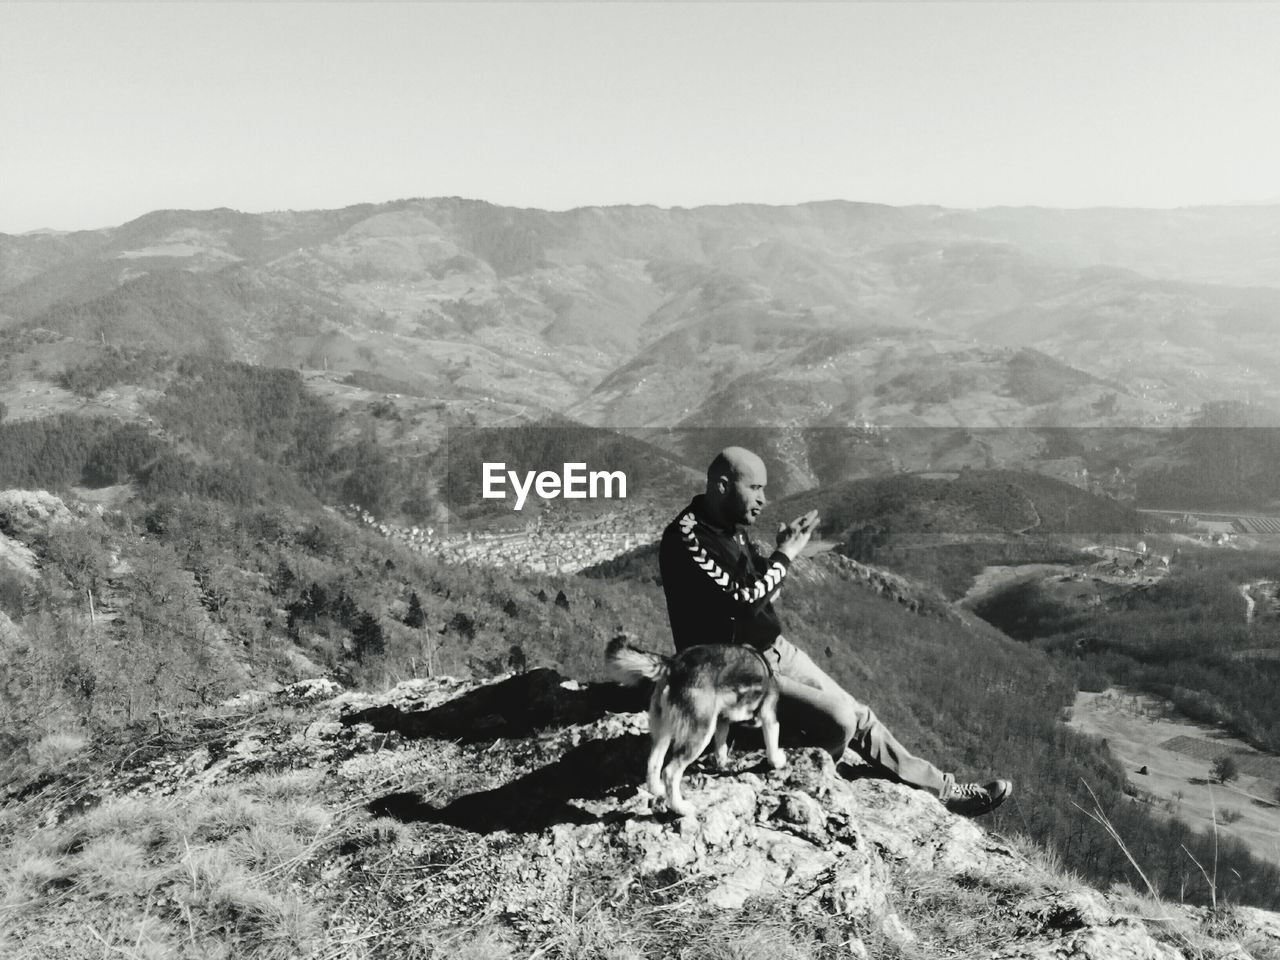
(735, 486)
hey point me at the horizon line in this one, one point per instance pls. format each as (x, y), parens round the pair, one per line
(60, 231)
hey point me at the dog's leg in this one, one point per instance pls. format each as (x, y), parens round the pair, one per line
(722, 742)
(684, 751)
(657, 753)
(769, 721)
(659, 738)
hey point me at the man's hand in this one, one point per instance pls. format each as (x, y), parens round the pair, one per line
(793, 536)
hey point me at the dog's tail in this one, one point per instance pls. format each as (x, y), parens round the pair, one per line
(629, 665)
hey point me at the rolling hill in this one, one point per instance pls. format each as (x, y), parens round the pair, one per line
(636, 316)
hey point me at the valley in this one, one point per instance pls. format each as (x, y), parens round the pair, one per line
(1167, 759)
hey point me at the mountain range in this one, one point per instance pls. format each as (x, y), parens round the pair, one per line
(828, 313)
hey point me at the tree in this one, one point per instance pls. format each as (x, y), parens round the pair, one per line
(370, 482)
(864, 543)
(1106, 405)
(77, 551)
(284, 579)
(1225, 768)
(344, 610)
(120, 455)
(415, 617)
(368, 637)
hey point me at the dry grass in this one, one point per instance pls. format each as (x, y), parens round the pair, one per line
(947, 916)
(1047, 861)
(290, 785)
(769, 943)
(154, 824)
(379, 831)
(265, 847)
(34, 757)
(54, 750)
(209, 876)
(1200, 933)
(264, 871)
(115, 867)
(29, 875)
(589, 934)
(484, 943)
(668, 916)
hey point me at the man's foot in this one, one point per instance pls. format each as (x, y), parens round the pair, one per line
(975, 799)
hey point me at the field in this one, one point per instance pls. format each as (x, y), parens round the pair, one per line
(1141, 731)
(1251, 762)
(995, 578)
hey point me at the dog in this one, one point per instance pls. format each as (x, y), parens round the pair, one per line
(696, 695)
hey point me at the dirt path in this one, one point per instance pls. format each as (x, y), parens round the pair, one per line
(1138, 732)
(1250, 601)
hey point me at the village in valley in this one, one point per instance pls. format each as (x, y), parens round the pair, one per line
(541, 546)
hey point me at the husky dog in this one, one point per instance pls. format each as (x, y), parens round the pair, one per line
(697, 694)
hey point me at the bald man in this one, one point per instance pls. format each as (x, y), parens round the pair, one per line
(720, 589)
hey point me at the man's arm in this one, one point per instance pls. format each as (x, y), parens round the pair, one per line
(708, 570)
(791, 540)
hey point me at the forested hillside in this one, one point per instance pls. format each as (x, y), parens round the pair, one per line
(1186, 638)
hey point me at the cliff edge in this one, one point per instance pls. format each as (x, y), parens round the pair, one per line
(507, 819)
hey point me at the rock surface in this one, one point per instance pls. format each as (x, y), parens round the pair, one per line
(17, 557)
(25, 513)
(530, 787)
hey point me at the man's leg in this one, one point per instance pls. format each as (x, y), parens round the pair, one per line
(852, 723)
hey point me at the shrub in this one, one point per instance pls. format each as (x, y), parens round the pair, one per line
(1225, 768)
(13, 593)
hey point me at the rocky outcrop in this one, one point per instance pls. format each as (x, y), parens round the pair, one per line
(17, 558)
(24, 516)
(917, 597)
(27, 513)
(529, 790)
(9, 632)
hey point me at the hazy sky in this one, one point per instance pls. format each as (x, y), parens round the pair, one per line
(110, 110)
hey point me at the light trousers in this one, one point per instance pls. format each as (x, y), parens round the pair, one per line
(847, 722)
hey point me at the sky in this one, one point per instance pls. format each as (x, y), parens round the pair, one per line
(108, 111)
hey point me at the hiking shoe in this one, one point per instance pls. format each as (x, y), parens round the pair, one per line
(975, 799)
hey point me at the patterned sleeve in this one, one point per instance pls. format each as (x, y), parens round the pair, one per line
(749, 593)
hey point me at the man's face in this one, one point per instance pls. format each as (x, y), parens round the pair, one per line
(745, 498)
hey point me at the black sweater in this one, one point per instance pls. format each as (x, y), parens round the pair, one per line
(719, 588)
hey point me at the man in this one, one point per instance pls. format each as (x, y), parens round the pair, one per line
(720, 590)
